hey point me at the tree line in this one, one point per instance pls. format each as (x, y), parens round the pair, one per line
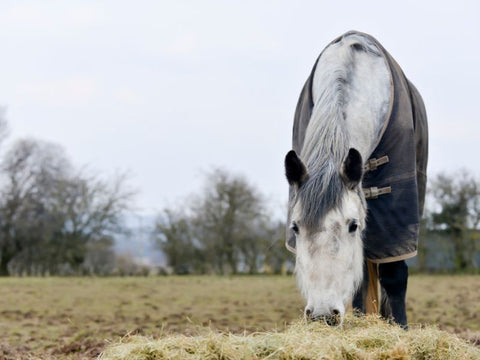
(227, 228)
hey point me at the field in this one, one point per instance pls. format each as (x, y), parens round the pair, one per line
(76, 318)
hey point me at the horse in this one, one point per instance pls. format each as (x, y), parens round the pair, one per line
(357, 176)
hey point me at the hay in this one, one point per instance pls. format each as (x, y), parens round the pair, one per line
(359, 338)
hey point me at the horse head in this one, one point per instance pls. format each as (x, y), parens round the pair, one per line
(327, 216)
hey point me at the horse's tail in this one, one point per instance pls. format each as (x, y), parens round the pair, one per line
(372, 301)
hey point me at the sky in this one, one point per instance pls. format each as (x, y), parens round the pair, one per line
(168, 90)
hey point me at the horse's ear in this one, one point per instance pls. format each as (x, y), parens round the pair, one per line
(295, 170)
(352, 169)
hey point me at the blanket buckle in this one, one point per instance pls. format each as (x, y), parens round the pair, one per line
(373, 163)
(374, 192)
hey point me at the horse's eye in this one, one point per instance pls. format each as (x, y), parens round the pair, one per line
(352, 226)
(295, 228)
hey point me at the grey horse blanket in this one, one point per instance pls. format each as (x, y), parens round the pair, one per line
(395, 179)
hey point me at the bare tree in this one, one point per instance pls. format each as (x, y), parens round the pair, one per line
(173, 234)
(49, 212)
(29, 170)
(228, 214)
(90, 210)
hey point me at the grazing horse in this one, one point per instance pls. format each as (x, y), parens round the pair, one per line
(357, 175)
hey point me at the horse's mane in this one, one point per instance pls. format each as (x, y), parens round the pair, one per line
(327, 139)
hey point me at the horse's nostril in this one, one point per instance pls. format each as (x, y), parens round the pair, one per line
(335, 312)
(308, 312)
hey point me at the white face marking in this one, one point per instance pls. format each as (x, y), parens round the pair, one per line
(329, 262)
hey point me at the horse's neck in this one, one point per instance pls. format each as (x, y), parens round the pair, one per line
(363, 94)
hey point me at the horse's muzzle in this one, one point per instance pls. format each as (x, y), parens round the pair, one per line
(332, 319)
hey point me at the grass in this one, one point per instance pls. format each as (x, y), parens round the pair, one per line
(359, 338)
(75, 318)
(452, 302)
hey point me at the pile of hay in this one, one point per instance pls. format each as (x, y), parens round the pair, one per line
(359, 338)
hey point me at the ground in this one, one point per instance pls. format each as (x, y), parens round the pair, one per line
(76, 318)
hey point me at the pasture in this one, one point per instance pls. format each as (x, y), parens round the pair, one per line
(77, 318)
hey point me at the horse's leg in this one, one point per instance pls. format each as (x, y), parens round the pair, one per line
(393, 278)
(358, 303)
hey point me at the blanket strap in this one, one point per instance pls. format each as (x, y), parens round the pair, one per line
(373, 164)
(373, 294)
(374, 192)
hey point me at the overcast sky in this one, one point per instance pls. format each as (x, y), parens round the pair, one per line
(169, 89)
